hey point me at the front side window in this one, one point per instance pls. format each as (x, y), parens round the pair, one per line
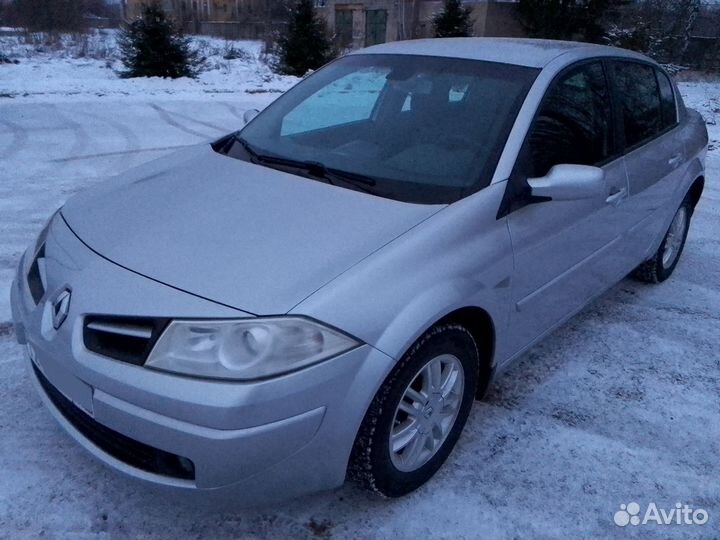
(667, 101)
(573, 125)
(423, 129)
(637, 89)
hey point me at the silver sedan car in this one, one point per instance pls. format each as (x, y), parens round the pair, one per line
(323, 294)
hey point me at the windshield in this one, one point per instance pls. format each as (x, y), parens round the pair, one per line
(412, 128)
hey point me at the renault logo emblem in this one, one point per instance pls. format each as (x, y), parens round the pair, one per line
(60, 308)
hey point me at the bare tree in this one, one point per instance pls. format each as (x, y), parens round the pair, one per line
(660, 28)
(691, 8)
(566, 19)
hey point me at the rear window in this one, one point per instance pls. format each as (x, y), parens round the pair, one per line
(639, 95)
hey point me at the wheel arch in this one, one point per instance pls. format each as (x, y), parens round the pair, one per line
(696, 190)
(480, 324)
(473, 305)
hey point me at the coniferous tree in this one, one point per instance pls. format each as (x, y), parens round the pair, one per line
(152, 46)
(305, 44)
(454, 20)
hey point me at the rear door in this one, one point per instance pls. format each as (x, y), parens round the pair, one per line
(654, 154)
(566, 251)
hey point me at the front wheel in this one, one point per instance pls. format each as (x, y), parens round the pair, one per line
(665, 259)
(418, 414)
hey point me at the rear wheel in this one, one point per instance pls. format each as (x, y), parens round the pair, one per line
(665, 259)
(418, 414)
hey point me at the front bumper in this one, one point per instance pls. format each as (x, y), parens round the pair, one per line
(266, 440)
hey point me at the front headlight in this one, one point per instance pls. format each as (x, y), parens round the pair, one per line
(245, 348)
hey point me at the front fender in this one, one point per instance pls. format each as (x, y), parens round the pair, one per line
(431, 306)
(460, 257)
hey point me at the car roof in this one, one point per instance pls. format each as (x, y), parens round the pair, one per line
(535, 53)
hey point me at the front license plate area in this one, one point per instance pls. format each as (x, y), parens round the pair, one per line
(65, 382)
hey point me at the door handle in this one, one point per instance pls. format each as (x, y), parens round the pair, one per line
(675, 161)
(616, 196)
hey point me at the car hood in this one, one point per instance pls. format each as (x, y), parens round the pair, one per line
(250, 237)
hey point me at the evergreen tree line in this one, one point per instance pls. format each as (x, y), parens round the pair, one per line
(659, 28)
(153, 45)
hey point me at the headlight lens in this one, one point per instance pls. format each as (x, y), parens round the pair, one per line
(246, 348)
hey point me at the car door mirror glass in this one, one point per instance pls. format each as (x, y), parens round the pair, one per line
(570, 182)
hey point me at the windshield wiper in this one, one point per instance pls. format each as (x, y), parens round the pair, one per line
(313, 168)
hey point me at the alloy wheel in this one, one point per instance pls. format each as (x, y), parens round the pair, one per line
(675, 238)
(427, 412)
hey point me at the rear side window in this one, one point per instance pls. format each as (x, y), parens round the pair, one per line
(574, 123)
(639, 98)
(667, 100)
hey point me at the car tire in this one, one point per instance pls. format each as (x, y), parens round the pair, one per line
(665, 259)
(391, 469)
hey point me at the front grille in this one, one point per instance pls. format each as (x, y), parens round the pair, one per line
(128, 339)
(35, 279)
(134, 453)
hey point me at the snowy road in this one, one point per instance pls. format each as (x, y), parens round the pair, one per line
(622, 404)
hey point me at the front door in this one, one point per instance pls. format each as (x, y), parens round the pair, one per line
(565, 251)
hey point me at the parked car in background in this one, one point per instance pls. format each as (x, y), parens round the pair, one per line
(324, 293)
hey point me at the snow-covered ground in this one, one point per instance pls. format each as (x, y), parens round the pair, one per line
(621, 404)
(87, 68)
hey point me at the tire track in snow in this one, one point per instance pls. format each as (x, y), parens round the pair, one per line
(122, 153)
(131, 141)
(196, 121)
(167, 117)
(81, 141)
(19, 138)
(81, 138)
(233, 110)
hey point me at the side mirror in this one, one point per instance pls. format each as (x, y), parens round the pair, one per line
(570, 183)
(249, 115)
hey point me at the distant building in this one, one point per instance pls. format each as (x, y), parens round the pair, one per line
(232, 19)
(353, 23)
(361, 23)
